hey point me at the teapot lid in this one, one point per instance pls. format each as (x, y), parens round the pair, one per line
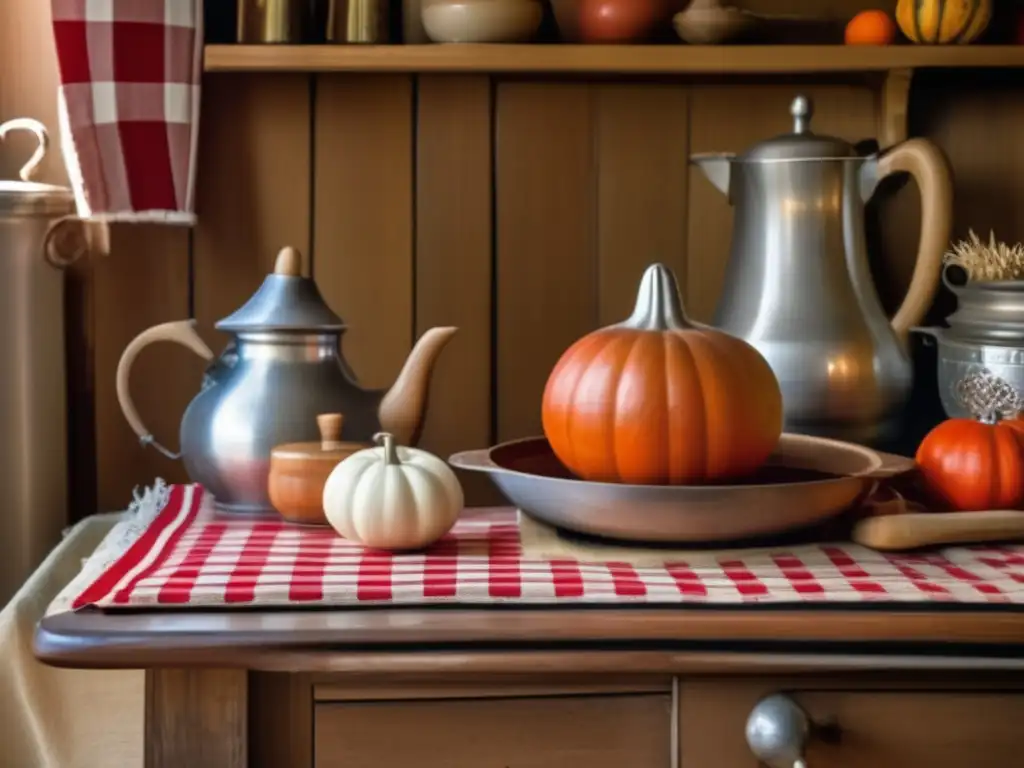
(802, 143)
(27, 197)
(287, 301)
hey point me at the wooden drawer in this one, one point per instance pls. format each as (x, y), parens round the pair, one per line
(873, 729)
(543, 732)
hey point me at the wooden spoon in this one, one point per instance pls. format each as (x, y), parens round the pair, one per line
(913, 530)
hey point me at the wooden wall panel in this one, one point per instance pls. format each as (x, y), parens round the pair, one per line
(253, 193)
(546, 234)
(363, 217)
(642, 180)
(454, 239)
(979, 126)
(144, 281)
(731, 118)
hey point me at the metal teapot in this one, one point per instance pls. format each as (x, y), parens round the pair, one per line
(798, 285)
(282, 368)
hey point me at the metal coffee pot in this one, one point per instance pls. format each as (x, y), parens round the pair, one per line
(281, 370)
(798, 284)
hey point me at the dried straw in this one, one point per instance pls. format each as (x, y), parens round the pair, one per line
(992, 261)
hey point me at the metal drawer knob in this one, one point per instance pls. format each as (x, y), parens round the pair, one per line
(778, 731)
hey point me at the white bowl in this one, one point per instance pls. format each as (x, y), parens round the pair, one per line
(482, 21)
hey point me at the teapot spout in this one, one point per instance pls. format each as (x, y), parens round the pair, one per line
(717, 167)
(403, 408)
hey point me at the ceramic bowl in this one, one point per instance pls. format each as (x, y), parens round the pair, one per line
(567, 18)
(481, 21)
(712, 26)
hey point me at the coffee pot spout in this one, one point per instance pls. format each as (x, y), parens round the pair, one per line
(717, 167)
(403, 407)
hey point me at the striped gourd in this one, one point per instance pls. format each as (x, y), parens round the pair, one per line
(943, 21)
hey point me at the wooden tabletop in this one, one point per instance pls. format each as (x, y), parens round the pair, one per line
(260, 640)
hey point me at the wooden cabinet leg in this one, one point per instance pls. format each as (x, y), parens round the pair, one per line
(196, 718)
(281, 720)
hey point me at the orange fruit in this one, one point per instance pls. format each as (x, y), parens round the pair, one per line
(871, 28)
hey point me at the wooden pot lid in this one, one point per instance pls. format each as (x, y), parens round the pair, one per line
(331, 448)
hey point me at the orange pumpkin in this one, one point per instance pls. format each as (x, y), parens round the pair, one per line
(658, 399)
(977, 464)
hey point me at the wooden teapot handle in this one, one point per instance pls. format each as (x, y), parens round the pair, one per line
(930, 169)
(181, 332)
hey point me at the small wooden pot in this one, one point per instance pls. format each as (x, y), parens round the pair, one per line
(298, 472)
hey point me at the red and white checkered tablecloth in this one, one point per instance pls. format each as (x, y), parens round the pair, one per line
(189, 556)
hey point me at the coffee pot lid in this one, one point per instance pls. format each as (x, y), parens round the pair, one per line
(27, 197)
(802, 143)
(287, 301)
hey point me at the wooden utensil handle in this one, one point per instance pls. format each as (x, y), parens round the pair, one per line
(910, 531)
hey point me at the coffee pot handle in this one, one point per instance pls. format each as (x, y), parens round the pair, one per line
(926, 163)
(181, 332)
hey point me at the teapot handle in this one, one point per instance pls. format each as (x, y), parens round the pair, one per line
(926, 163)
(181, 332)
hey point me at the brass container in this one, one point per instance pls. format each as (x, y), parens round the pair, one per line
(358, 21)
(274, 21)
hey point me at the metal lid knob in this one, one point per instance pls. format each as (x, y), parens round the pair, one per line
(778, 731)
(802, 110)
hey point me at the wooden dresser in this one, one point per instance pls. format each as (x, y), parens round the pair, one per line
(594, 688)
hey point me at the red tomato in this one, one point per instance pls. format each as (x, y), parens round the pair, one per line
(619, 21)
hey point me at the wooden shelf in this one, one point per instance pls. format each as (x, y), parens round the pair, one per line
(635, 59)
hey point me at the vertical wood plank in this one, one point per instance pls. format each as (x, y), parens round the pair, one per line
(253, 193)
(144, 281)
(643, 159)
(978, 124)
(363, 219)
(731, 118)
(546, 232)
(454, 240)
(196, 718)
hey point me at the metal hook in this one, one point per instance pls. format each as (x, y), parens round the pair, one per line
(42, 137)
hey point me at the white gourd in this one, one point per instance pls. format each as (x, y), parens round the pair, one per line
(392, 497)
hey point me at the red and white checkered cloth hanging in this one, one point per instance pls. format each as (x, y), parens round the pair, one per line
(129, 105)
(190, 557)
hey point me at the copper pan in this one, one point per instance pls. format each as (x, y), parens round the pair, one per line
(806, 481)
